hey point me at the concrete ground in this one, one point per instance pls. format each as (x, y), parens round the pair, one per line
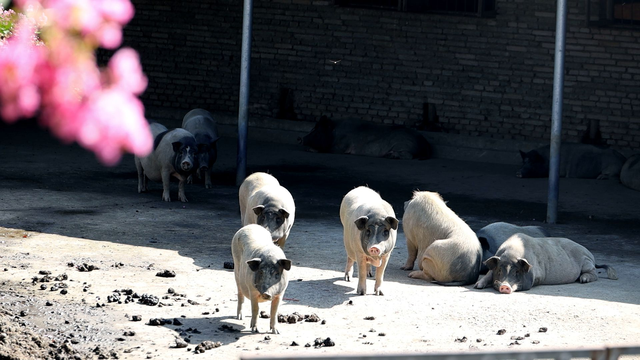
(62, 212)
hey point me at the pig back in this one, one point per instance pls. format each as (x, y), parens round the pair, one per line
(249, 186)
(428, 218)
(200, 123)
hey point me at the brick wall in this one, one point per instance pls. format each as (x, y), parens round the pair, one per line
(486, 77)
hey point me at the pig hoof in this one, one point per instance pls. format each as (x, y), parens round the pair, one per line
(239, 317)
(362, 291)
(275, 331)
(208, 186)
(346, 277)
(378, 292)
(407, 267)
(255, 329)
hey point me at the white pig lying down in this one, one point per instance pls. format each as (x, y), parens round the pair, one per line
(495, 234)
(174, 154)
(448, 251)
(370, 230)
(265, 202)
(261, 271)
(523, 262)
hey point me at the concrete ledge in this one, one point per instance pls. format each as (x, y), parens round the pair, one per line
(445, 145)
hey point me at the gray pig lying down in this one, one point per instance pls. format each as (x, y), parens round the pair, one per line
(200, 123)
(630, 173)
(174, 154)
(359, 137)
(264, 202)
(576, 161)
(370, 230)
(494, 234)
(523, 262)
(449, 251)
(261, 271)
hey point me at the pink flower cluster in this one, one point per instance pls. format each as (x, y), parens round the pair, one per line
(56, 78)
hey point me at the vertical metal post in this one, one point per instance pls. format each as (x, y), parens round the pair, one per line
(243, 111)
(556, 116)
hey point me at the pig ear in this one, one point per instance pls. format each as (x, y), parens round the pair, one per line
(285, 214)
(361, 222)
(258, 209)
(254, 263)
(492, 262)
(393, 222)
(484, 243)
(524, 265)
(176, 145)
(285, 263)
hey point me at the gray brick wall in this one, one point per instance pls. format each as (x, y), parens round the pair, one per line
(487, 77)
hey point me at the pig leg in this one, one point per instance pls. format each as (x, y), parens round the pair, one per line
(142, 179)
(420, 275)
(254, 314)
(190, 179)
(588, 272)
(181, 194)
(240, 301)
(412, 249)
(274, 314)
(484, 281)
(166, 181)
(362, 275)
(347, 269)
(380, 275)
(207, 181)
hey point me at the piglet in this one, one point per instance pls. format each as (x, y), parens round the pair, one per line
(173, 155)
(261, 271)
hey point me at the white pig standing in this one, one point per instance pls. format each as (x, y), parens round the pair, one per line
(523, 262)
(200, 123)
(370, 231)
(265, 202)
(173, 155)
(449, 251)
(261, 272)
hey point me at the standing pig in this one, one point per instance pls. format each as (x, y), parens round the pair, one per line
(523, 262)
(370, 230)
(173, 155)
(261, 272)
(450, 253)
(264, 202)
(582, 161)
(359, 137)
(200, 123)
(493, 235)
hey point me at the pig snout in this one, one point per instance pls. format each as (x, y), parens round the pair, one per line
(186, 165)
(375, 251)
(505, 288)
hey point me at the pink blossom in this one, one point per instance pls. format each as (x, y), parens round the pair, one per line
(125, 71)
(120, 11)
(19, 58)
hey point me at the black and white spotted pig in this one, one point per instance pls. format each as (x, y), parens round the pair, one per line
(523, 262)
(174, 154)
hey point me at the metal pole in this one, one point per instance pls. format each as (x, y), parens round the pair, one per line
(556, 116)
(243, 110)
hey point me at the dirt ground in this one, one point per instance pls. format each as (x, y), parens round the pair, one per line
(81, 253)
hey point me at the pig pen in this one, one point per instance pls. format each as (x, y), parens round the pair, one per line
(92, 269)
